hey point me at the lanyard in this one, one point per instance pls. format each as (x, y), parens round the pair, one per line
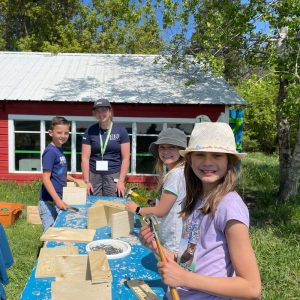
(103, 147)
(195, 225)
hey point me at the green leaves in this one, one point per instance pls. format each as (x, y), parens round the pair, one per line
(105, 26)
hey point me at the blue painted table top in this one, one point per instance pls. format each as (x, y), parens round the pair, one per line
(139, 264)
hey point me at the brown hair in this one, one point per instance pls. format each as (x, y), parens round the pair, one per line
(58, 120)
(194, 187)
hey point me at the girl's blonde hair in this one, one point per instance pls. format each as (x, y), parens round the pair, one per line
(194, 187)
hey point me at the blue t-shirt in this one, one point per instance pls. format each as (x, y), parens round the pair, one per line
(53, 160)
(112, 153)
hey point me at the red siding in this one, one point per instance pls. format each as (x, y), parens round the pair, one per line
(85, 109)
(120, 109)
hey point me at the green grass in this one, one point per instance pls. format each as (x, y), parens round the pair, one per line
(275, 230)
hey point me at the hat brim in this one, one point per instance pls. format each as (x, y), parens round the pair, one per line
(215, 150)
(95, 107)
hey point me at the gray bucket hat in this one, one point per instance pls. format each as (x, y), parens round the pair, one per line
(170, 136)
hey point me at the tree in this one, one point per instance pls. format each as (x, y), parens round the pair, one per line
(104, 26)
(226, 41)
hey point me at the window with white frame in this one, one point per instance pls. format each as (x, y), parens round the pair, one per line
(28, 137)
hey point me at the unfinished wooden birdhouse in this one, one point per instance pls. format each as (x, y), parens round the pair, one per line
(89, 272)
(109, 213)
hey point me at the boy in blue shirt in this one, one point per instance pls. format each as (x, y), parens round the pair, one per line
(54, 173)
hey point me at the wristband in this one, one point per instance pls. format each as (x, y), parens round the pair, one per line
(137, 211)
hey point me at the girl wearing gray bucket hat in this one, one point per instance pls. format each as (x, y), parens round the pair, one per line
(215, 258)
(166, 151)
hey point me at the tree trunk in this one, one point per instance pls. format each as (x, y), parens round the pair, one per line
(290, 189)
(283, 130)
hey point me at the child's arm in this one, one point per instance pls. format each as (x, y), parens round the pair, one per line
(50, 188)
(166, 202)
(246, 284)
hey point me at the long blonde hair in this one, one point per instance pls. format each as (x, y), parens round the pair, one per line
(194, 187)
(159, 168)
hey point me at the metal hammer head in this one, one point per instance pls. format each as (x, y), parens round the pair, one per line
(129, 192)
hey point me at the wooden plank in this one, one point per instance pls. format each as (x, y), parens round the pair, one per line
(97, 217)
(68, 290)
(68, 235)
(74, 195)
(142, 290)
(33, 215)
(122, 224)
(100, 270)
(72, 268)
(47, 259)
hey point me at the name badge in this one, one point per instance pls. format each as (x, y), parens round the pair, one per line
(101, 165)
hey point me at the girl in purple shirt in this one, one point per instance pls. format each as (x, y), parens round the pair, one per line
(215, 258)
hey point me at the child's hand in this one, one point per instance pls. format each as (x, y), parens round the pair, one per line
(62, 205)
(171, 273)
(131, 206)
(147, 238)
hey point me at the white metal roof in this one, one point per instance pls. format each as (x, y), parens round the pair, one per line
(121, 78)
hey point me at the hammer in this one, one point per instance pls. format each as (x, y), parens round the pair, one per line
(132, 193)
(152, 221)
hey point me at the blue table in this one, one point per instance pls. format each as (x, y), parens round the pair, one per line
(139, 264)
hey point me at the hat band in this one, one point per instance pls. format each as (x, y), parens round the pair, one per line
(210, 148)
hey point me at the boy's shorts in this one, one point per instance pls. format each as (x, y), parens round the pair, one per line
(48, 213)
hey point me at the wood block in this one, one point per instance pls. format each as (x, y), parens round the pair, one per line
(97, 217)
(122, 224)
(110, 211)
(71, 184)
(68, 235)
(74, 195)
(47, 258)
(114, 204)
(33, 215)
(68, 290)
(142, 290)
(99, 267)
(72, 268)
(80, 183)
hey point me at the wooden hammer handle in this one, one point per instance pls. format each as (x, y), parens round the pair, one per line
(173, 291)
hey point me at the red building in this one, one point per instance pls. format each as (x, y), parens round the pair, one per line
(145, 96)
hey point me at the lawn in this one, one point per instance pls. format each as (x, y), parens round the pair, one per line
(275, 230)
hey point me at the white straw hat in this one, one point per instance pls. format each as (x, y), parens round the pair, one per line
(212, 137)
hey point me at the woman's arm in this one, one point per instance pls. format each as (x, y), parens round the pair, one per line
(125, 156)
(85, 166)
(51, 190)
(245, 285)
(166, 202)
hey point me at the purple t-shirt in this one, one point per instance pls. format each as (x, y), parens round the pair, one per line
(203, 246)
(112, 153)
(53, 160)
